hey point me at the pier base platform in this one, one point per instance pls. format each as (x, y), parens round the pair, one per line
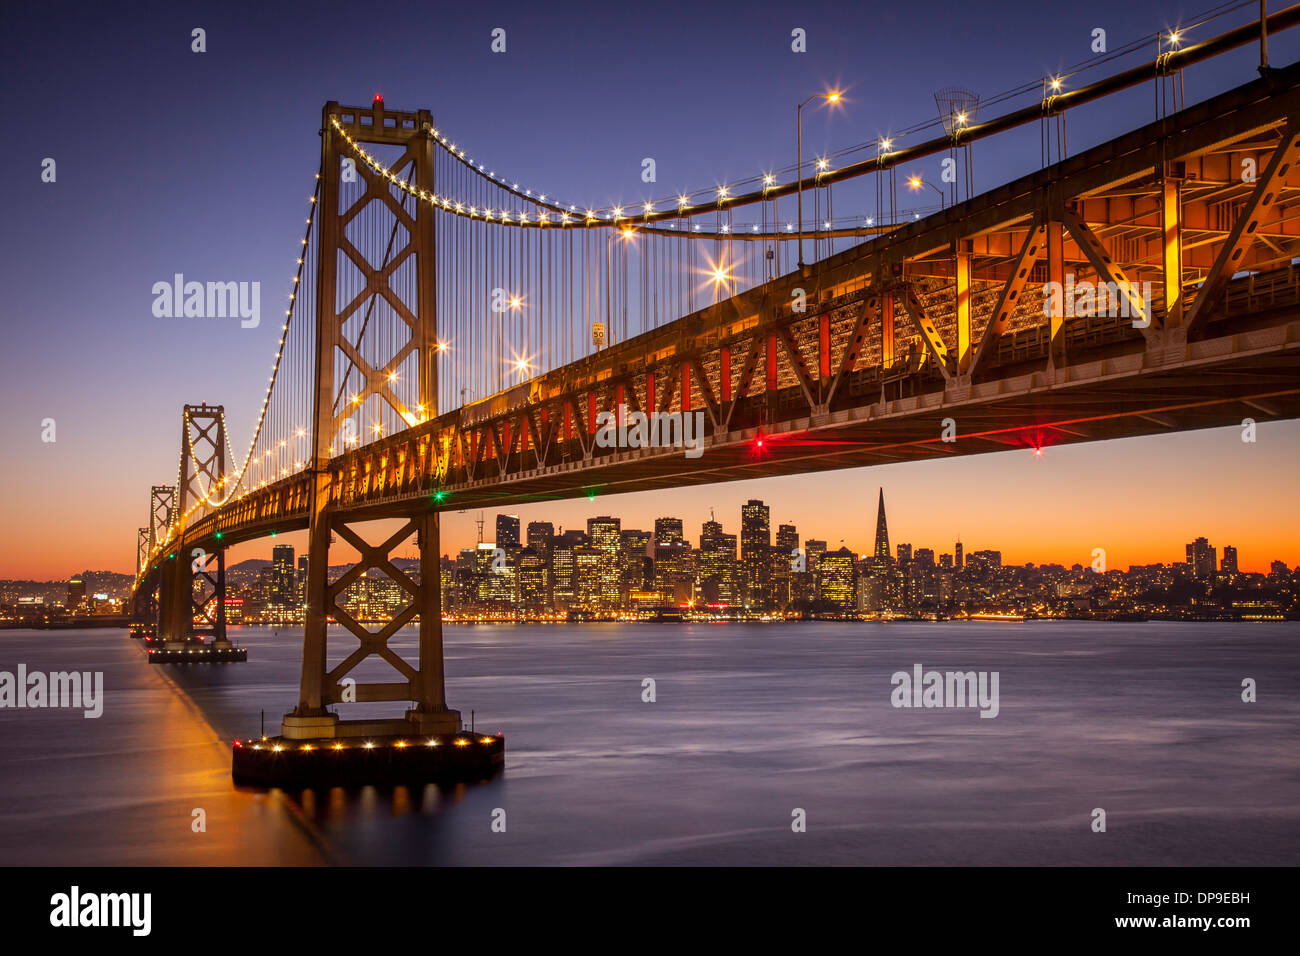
(196, 654)
(360, 761)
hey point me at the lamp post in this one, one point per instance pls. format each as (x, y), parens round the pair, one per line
(916, 182)
(626, 233)
(833, 97)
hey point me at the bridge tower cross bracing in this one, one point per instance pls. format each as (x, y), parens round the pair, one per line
(202, 476)
(423, 685)
(162, 504)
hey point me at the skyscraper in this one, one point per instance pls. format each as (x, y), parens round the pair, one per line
(668, 530)
(1229, 559)
(672, 564)
(564, 587)
(784, 558)
(813, 549)
(507, 531)
(284, 593)
(466, 582)
(755, 545)
(494, 577)
(533, 580)
(637, 565)
(835, 580)
(588, 566)
(603, 533)
(541, 536)
(541, 540)
(717, 566)
(1201, 559)
(882, 530)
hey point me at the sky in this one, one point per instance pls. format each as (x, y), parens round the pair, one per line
(171, 161)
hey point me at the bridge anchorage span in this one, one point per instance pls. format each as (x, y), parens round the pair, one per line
(963, 314)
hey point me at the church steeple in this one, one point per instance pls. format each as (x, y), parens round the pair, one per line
(882, 529)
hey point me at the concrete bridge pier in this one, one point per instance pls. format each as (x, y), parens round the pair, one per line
(220, 640)
(176, 625)
(430, 715)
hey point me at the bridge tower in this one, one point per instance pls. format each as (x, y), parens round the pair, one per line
(162, 502)
(202, 476)
(422, 685)
(141, 549)
(144, 606)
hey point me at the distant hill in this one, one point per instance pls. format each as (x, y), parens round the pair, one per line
(98, 582)
(252, 565)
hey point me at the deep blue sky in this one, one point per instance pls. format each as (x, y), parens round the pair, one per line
(170, 161)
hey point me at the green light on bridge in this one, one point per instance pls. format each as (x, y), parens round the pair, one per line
(439, 496)
(218, 536)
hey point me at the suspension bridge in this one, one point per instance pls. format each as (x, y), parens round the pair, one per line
(456, 339)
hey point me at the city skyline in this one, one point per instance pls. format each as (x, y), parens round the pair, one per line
(1258, 539)
(541, 572)
(514, 530)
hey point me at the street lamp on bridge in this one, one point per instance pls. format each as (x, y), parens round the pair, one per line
(833, 97)
(916, 182)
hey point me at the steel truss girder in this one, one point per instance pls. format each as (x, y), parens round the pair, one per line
(929, 336)
(853, 348)
(1105, 266)
(1009, 297)
(1260, 200)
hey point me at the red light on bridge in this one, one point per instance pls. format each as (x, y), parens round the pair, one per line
(379, 99)
(1037, 438)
